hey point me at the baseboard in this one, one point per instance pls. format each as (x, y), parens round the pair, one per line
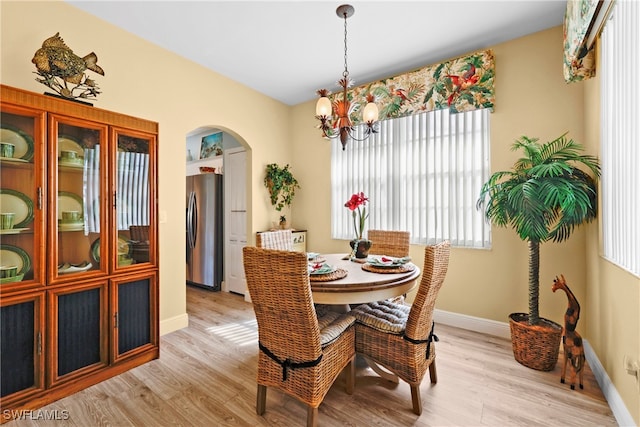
(501, 329)
(173, 324)
(619, 409)
(476, 324)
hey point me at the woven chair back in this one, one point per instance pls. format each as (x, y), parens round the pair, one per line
(390, 243)
(278, 239)
(436, 263)
(278, 283)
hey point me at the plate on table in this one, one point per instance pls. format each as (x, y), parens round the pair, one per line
(18, 203)
(124, 247)
(68, 201)
(23, 143)
(387, 261)
(13, 255)
(315, 257)
(316, 269)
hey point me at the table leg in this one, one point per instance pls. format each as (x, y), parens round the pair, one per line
(383, 373)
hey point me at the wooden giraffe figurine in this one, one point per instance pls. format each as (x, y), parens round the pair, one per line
(571, 339)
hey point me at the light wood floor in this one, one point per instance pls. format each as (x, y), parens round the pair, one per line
(206, 377)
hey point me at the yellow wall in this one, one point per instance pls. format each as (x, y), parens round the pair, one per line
(146, 81)
(531, 99)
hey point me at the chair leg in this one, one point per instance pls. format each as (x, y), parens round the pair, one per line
(433, 374)
(261, 399)
(351, 375)
(415, 399)
(312, 417)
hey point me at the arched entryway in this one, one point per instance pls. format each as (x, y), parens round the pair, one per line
(216, 224)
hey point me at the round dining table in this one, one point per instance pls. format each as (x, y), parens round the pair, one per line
(359, 285)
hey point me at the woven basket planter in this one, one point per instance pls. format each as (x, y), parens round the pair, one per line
(535, 346)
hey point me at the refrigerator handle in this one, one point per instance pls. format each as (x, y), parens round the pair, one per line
(194, 218)
(191, 220)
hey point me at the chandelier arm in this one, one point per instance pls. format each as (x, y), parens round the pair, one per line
(351, 130)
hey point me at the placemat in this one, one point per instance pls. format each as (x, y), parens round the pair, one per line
(338, 274)
(404, 268)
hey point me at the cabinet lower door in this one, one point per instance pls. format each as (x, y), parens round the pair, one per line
(78, 337)
(21, 352)
(135, 316)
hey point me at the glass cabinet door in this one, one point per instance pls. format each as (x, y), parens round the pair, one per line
(77, 220)
(135, 189)
(21, 198)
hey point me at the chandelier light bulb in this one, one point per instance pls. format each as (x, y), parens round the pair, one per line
(370, 113)
(323, 107)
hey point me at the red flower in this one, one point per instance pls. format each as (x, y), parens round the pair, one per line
(355, 202)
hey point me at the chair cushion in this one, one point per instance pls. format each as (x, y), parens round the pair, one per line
(384, 316)
(332, 324)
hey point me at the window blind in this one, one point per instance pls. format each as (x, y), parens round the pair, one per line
(620, 133)
(421, 173)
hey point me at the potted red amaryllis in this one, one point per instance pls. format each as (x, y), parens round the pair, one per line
(359, 245)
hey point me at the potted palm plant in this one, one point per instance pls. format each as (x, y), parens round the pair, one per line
(544, 197)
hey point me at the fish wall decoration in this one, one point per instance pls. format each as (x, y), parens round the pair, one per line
(63, 71)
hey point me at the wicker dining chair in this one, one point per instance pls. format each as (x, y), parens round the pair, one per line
(277, 239)
(399, 337)
(300, 353)
(390, 243)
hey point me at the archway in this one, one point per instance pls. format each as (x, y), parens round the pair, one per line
(214, 247)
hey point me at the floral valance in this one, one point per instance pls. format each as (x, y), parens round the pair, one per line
(579, 61)
(462, 84)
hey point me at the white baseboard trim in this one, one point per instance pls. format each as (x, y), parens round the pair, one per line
(477, 324)
(501, 329)
(173, 324)
(619, 409)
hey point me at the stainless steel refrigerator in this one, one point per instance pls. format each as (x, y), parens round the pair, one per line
(205, 221)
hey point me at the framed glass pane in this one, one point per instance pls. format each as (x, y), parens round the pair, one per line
(133, 200)
(19, 186)
(79, 221)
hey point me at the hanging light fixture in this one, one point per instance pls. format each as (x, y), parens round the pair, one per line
(335, 120)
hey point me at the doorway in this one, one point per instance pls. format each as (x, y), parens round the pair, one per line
(211, 150)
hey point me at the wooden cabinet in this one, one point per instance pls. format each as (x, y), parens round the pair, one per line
(79, 285)
(299, 240)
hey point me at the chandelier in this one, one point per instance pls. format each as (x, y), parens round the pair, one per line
(335, 118)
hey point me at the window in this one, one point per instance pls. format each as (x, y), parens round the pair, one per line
(421, 173)
(620, 133)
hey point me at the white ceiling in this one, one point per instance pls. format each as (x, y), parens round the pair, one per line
(289, 49)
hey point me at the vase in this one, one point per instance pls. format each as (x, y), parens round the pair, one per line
(360, 247)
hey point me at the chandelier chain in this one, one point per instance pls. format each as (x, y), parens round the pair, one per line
(345, 73)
